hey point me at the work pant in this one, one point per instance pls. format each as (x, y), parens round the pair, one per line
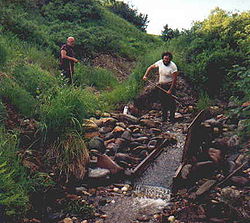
(167, 102)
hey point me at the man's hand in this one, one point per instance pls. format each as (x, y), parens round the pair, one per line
(169, 91)
(75, 60)
(144, 77)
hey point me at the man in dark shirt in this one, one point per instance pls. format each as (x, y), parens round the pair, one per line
(67, 58)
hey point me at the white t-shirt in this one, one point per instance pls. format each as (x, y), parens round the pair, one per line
(165, 72)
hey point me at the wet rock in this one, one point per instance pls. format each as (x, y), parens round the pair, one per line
(125, 157)
(130, 118)
(104, 161)
(152, 144)
(205, 187)
(138, 149)
(117, 131)
(134, 126)
(108, 121)
(240, 180)
(126, 135)
(149, 123)
(121, 124)
(137, 135)
(98, 173)
(105, 129)
(155, 131)
(67, 220)
(143, 139)
(229, 142)
(178, 116)
(137, 130)
(134, 144)
(143, 218)
(90, 135)
(97, 143)
(89, 126)
(109, 135)
(213, 122)
(80, 189)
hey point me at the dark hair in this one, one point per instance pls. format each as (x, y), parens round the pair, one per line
(167, 54)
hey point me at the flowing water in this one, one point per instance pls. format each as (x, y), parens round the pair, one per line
(152, 190)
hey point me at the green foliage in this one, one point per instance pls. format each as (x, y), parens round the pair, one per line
(80, 208)
(168, 33)
(13, 178)
(129, 13)
(67, 109)
(96, 77)
(34, 79)
(3, 55)
(71, 156)
(212, 48)
(17, 96)
(204, 101)
(2, 113)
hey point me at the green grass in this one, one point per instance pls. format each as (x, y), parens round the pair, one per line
(204, 101)
(13, 177)
(17, 96)
(67, 109)
(99, 78)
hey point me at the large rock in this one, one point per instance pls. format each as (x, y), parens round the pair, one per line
(98, 173)
(149, 123)
(104, 161)
(97, 143)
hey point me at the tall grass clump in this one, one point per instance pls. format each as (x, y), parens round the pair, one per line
(13, 178)
(3, 55)
(34, 79)
(95, 77)
(204, 101)
(67, 109)
(70, 156)
(23, 101)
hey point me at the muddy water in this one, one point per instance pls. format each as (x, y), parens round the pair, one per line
(157, 180)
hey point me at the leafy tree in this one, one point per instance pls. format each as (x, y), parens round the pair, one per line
(129, 13)
(168, 33)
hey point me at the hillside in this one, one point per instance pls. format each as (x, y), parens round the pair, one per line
(46, 124)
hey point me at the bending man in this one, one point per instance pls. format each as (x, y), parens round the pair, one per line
(67, 58)
(167, 80)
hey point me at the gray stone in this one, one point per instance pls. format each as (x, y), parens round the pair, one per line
(97, 143)
(126, 135)
(98, 172)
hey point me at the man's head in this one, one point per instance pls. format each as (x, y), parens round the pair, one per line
(166, 57)
(71, 41)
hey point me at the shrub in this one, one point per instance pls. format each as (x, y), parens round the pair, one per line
(17, 96)
(2, 113)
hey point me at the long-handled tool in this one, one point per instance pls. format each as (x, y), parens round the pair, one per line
(174, 97)
(70, 71)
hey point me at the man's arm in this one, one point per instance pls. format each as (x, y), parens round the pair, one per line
(148, 71)
(175, 74)
(64, 56)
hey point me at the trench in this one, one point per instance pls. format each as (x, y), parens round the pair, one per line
(152, 189)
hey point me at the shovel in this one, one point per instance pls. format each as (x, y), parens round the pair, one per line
(174, 97)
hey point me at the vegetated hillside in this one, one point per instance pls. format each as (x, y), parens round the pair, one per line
(96, 29)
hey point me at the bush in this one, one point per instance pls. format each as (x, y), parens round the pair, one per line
(97, 77)
(17, 96)
(204, 101)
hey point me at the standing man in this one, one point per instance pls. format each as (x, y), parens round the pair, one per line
(67, 59)
(167, 80)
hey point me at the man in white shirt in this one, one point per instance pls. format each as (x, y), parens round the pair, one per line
(167, 80)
